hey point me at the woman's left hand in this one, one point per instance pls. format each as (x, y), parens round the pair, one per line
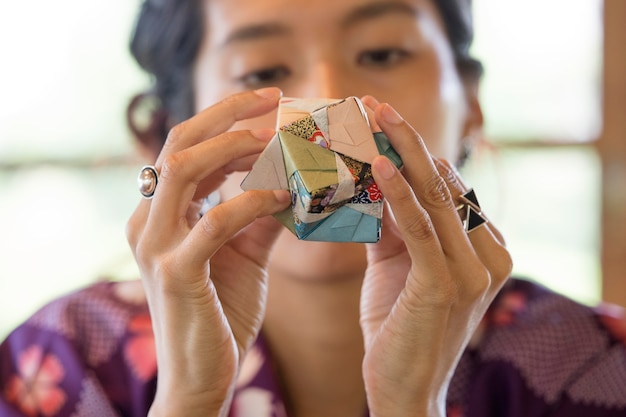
(428, 281)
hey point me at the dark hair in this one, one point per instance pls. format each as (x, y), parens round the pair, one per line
(167, 37)
(165, 42)
(457, 19)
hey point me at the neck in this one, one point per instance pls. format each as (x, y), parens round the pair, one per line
(312, 328)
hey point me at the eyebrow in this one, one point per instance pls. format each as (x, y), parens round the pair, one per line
(377, 9)
(256, 32)
(360, 14)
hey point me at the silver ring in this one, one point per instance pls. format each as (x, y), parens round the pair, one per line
(470, 211)
(147, 181)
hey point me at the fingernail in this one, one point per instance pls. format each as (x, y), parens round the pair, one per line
(263, 134)
(269, 92)
(384, 167)
(391, 116)
(370, 101)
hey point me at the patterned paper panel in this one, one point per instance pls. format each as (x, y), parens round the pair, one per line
(306, 128)
(324, 149)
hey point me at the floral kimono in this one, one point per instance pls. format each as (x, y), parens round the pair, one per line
(91, 353)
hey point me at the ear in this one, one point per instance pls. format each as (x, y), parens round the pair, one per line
(472, 132)
(149, 135)
(474, 122)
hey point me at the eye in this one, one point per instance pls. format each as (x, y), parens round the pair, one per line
(382, 58)
(263, 77)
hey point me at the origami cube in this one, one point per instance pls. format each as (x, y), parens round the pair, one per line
(322, 154)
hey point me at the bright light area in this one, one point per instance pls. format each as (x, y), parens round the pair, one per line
(543, 67)
(61, 229)
(65, 77)
(547, 205)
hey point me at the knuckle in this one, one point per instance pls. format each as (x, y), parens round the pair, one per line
(435, 192)
(404, 196)
(132, 231)
(448, 293)
(420, 227)
(176, 133)
(213, 224)
(143, 253)
(448, 173)
(478, 284)
(232, 103)
(172, 166)
(255, 199)
(488, 278)
(502, 270)
(164, 274)
(231, 100)
(444, 295)
(227, 144)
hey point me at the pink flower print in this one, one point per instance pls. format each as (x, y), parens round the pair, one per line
(508, 308)
(250, 367)
(454, 411)
(613, 317)
(253, 402)
(319, 139)
(140, 351)
(35, 389)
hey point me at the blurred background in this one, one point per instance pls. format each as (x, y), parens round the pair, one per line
(67, 169)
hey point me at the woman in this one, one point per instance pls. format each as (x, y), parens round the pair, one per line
(247, 319)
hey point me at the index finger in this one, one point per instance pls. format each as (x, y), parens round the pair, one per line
(218, 118)
(429, 187)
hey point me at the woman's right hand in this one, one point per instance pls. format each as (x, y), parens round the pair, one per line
(205, 278)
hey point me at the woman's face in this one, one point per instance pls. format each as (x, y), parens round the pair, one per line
(394, 50)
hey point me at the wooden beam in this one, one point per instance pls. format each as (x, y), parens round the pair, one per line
(612, 149)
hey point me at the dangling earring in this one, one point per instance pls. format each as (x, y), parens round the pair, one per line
(467, 144)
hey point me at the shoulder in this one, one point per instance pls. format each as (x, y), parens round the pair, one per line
(87, 312)
(558, 346)
(90, 348)
(527, 307)
(93, 318)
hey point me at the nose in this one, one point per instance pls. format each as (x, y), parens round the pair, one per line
(327, 79)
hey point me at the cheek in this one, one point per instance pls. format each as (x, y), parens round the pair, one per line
(436, 109)
(209, 89)
(429, 115)
(211, 86)
(206, 82)
(454, 114)
(439, 123)
(212, 82)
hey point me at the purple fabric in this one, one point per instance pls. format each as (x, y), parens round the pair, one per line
(92, 354)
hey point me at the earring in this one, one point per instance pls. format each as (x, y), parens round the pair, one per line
(467, 144)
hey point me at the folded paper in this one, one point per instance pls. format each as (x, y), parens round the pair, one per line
(322, 153)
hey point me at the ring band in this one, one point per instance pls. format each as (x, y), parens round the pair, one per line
(470, 211)
(147, 181)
